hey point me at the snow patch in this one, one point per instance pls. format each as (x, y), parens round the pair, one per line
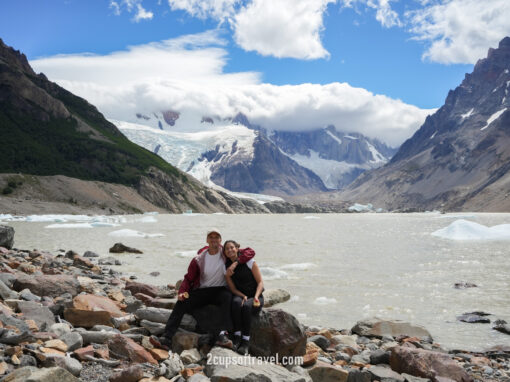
(378, 157)
(433, 135)
(334, 137)
(467, 230)
(468, 114)
(350, 137)
(493, 117)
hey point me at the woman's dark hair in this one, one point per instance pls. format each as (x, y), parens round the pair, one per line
(236, 244)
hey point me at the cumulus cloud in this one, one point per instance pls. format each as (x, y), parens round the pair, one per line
(187, 76)
(384, 13)
(217, 9)
(460, 31)
(131, 6)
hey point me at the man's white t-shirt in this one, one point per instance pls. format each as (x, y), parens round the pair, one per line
(214, 271)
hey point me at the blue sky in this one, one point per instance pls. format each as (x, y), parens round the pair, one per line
(408, 51)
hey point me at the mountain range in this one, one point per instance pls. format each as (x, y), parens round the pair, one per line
(459, 159)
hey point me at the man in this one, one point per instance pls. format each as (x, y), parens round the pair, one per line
(204, 284)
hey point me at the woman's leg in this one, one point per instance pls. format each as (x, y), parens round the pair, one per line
(236, 313)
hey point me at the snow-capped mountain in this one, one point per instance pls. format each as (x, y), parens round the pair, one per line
(336, 157)
(226, 154)
(459, 159)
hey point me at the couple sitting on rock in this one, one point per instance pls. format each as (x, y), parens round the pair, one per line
(206, 281)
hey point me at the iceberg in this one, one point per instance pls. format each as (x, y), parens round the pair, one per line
(467, 230)
(133, 233)
(356, 207)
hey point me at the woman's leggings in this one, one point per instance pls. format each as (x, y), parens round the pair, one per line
(242, 315)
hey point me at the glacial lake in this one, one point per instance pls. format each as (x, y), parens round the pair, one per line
(339, 268)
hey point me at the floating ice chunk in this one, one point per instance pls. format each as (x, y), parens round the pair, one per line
(311, 217)
(133, 233)
(70, 225)
(273, 274)
(356, 207)
(324, 301)
(103, 224)
(467, 230)
(298, 267)
(147, 219)
(185, 254)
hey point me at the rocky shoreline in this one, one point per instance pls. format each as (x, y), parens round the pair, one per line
(71, 318)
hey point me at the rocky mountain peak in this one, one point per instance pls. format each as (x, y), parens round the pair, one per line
(15, 59)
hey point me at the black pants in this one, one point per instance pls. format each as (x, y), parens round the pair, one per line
(220, 296)
(242, 315)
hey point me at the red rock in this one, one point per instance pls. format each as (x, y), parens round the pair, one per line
(147, 300)
(126, 347)
(97, 303)
(131, 374)
(102, 352)
(159, 354)
(79, 261)
(327, 373)
(86, 318)
(83, 352)
(426, 364)
(135, 287)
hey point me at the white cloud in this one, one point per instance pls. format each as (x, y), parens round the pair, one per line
(384, 13)
(184, 75)
(142, 14)
(282, 28)
(217, 9)
(460, 31)
(131, 6)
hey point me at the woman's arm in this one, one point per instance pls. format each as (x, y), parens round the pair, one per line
(233, 288)
(258, 278)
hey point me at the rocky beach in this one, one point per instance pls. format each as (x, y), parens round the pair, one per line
(71, 317)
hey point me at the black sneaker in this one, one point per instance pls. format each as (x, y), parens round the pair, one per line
(244, 347)
(236, 341)
(164, 343)
(223, 341)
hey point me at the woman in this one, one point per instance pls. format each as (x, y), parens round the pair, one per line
(246, 285)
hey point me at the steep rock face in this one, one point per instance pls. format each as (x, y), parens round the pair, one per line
(268, 172)
(460, 158)
(336, 157)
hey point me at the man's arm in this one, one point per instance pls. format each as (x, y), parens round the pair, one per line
(245, 255)
(191, 277)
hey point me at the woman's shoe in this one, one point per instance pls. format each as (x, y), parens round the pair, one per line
(236, 341)
(243, 347)
(223, 341)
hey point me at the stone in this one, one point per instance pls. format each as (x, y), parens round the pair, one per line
(320, 341)
(426, 364)
(51, 351)
(42, 316)
(33, 374)
(474, 318)
(124, 347)
(377, 328)
(7, 278)
(136, 287)
(91, 337)
(3, 368)
(275, 331)
(154, 328)
(7, 293)
(56, 344)
(275, 296)
(412, 378)
(48, 285)
(464, 285)
(121, 248)
(380, 356)
(159, 354)
(96, 303)
(153, 314)
(109, 261)
(323, 372)
(132, 304)
(12, 321)
(82, 353)
(190, 356)
(245, 368)
(90, 254)
(60, 329)
(183, 340)
(173, 365)
(73, 340)
(26, 295)
(356, 375)
(385, 374)
(130, 374)
(70, 364)
(86, 318)
(345, 340)
(6, 236)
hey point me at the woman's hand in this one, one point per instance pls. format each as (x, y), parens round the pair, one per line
(244, 300)
(230, 270)
(256, 302)
(182, 296)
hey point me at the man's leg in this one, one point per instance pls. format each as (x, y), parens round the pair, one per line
(197, 297)
(223, 298)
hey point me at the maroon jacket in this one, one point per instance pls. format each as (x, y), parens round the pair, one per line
(196, 267)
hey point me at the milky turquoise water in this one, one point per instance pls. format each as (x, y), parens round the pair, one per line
(339, 268)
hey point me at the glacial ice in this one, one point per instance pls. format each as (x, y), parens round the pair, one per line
(325, 301)
(133, 233)
(298, 267)
(467, 230)
(356, 207)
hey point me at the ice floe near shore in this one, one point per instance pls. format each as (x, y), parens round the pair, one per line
(467, 230)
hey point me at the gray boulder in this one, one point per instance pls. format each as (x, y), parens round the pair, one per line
(375, 327)
(275, 296)
(6, 236)
(42, 316)
(7, 293)
(33, 374)
(48, 285)
(153, 314)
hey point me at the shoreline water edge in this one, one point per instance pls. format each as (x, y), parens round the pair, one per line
(72, 317)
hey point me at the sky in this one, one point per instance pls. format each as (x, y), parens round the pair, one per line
(378, 67)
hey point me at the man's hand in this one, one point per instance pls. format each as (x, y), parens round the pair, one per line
(230, 270)
(182, 296)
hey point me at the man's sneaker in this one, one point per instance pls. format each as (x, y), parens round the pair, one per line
(223, 341)
(236, 341)
(164, 343)
(243, 348)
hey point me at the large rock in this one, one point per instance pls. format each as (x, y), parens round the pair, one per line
(130, 374)
(7, 293)
(48, 285)
(243, 369)
(153, 314)
(6, 236)
(375, 327)
(275, 296)
(277, 332)
(427, 364)
(33, 374)
(323, 372)
(95, 303)
(136, 287)
(121, 248)
(42, 316)
(126, 348)
(87, 319)
(381, 373)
